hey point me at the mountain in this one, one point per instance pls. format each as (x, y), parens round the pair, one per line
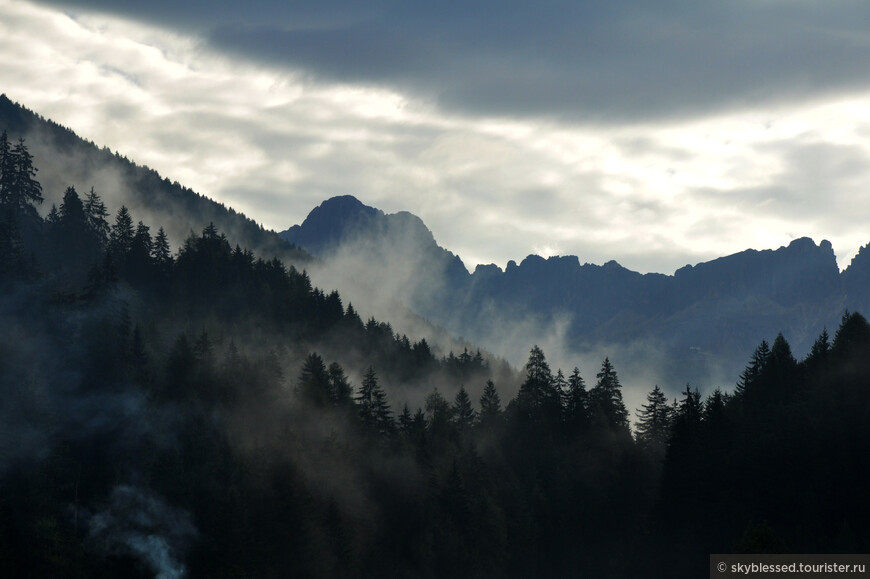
(64, 160)
(332, 223)
(344, 221)
(378, 260)
(698, 325)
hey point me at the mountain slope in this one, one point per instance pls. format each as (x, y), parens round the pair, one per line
(64, 159)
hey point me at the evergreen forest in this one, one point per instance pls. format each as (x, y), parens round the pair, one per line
(203, 411)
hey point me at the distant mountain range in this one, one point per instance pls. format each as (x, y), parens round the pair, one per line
(699, 325)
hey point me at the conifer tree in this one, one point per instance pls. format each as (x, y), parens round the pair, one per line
(463, 414)
(121, 235)
(140, 250)
(97, 216)
(780, 373)
(160, 251)
(423, 356)
(340, 390)
(464, 358)
(75, 248)
(687, 421)
(23, 191)
(478, 360)
(538, 399)
(314, 383)
(753, 371)
(821, 347)
(490, 405)
(364, 398)
(560, 385)
(576, 403)
(384, 422)
(853, 335)
(606, 397)
(13, 261)
(714, 407)
(352, 319)
(654, 422)
(406, 421)
(372, 405)
(53, 216)
(72, 210)
(439, 415)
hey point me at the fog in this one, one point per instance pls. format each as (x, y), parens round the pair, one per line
(395, 272)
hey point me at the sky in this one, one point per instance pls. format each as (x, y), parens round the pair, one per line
(655, 133)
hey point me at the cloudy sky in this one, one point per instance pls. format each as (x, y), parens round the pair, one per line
(654, 133)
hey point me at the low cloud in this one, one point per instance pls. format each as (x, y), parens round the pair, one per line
(613, 61)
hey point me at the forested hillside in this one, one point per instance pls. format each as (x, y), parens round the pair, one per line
(66, 160)
(206, 412)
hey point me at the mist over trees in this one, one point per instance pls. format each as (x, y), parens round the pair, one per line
(68, 160)
(655, 325)
(209, 412)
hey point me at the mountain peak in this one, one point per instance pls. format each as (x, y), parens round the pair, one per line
(346, 220)
(342, 202)
(340, 208)
(807, 245)
(802, 242)
(331, 223)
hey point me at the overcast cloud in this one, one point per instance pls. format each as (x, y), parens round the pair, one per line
(656, 134)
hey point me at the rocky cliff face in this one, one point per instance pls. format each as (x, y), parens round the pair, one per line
(856, 282)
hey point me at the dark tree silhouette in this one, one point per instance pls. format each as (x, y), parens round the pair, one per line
(605, 398)
(490, 406)
(654, 423)
(576, 404)
(121, 235)
(754, 370)
(314, 383)
(20, 191)
(464, 415)
(372, 405)
(538, 405)
(97, 216)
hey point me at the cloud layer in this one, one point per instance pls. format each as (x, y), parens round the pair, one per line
(656, 137)
(607, 61)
